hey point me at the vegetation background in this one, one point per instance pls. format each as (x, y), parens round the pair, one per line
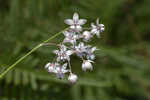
(122, 67)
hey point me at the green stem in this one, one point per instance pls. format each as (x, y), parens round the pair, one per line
(34, 49)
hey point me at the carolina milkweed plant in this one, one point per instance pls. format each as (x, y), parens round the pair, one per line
(76, 42)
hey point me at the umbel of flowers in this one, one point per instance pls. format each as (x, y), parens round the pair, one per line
(78, 38)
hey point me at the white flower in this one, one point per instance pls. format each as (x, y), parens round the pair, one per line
(63, 54)
(90, 52)
(70, 37)
(86, 65)
(61, 70)
(51, 67)
(97, 29)
(80, 49)
(87, 35)
(57, 69)
(72, 78)
(75, 23)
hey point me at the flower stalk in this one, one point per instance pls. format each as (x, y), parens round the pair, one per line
(26, 55)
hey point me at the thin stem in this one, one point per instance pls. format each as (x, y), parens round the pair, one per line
(54, 58)
(70, 66)
(34, 49)
(82, 58)
(45, 44)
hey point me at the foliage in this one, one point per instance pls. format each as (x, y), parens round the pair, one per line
(121, 69)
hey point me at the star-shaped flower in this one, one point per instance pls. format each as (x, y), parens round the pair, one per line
(80, 49)
(75, 23)
(61, 70)
(51, 67)
(70, 37)
(90, 52)
(98, 28)
(63, 54)
(57, 69)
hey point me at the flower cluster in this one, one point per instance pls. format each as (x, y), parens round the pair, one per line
(78, 38)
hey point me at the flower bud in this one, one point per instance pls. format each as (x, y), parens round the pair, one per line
(86, 65)
(87, 35)
(73, 78)
(51, 69)
(47, 65)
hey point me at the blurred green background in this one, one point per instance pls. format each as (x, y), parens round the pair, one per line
(122, 66)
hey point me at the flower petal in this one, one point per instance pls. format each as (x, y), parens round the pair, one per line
(90, 61)
(75, 17)
(97, 21)
(69, 21)
(93, 49)
(66, 40)
(51, 69)
(65, 71)
(66, 33)
(69, 52)
(93, 25)
(81, 44)
(72, 27)
(82, 21)
(97, 34)
(56, 51)
(47, 65)
(78, 28)
(94, 31)
(92, 57)
(102, 27)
